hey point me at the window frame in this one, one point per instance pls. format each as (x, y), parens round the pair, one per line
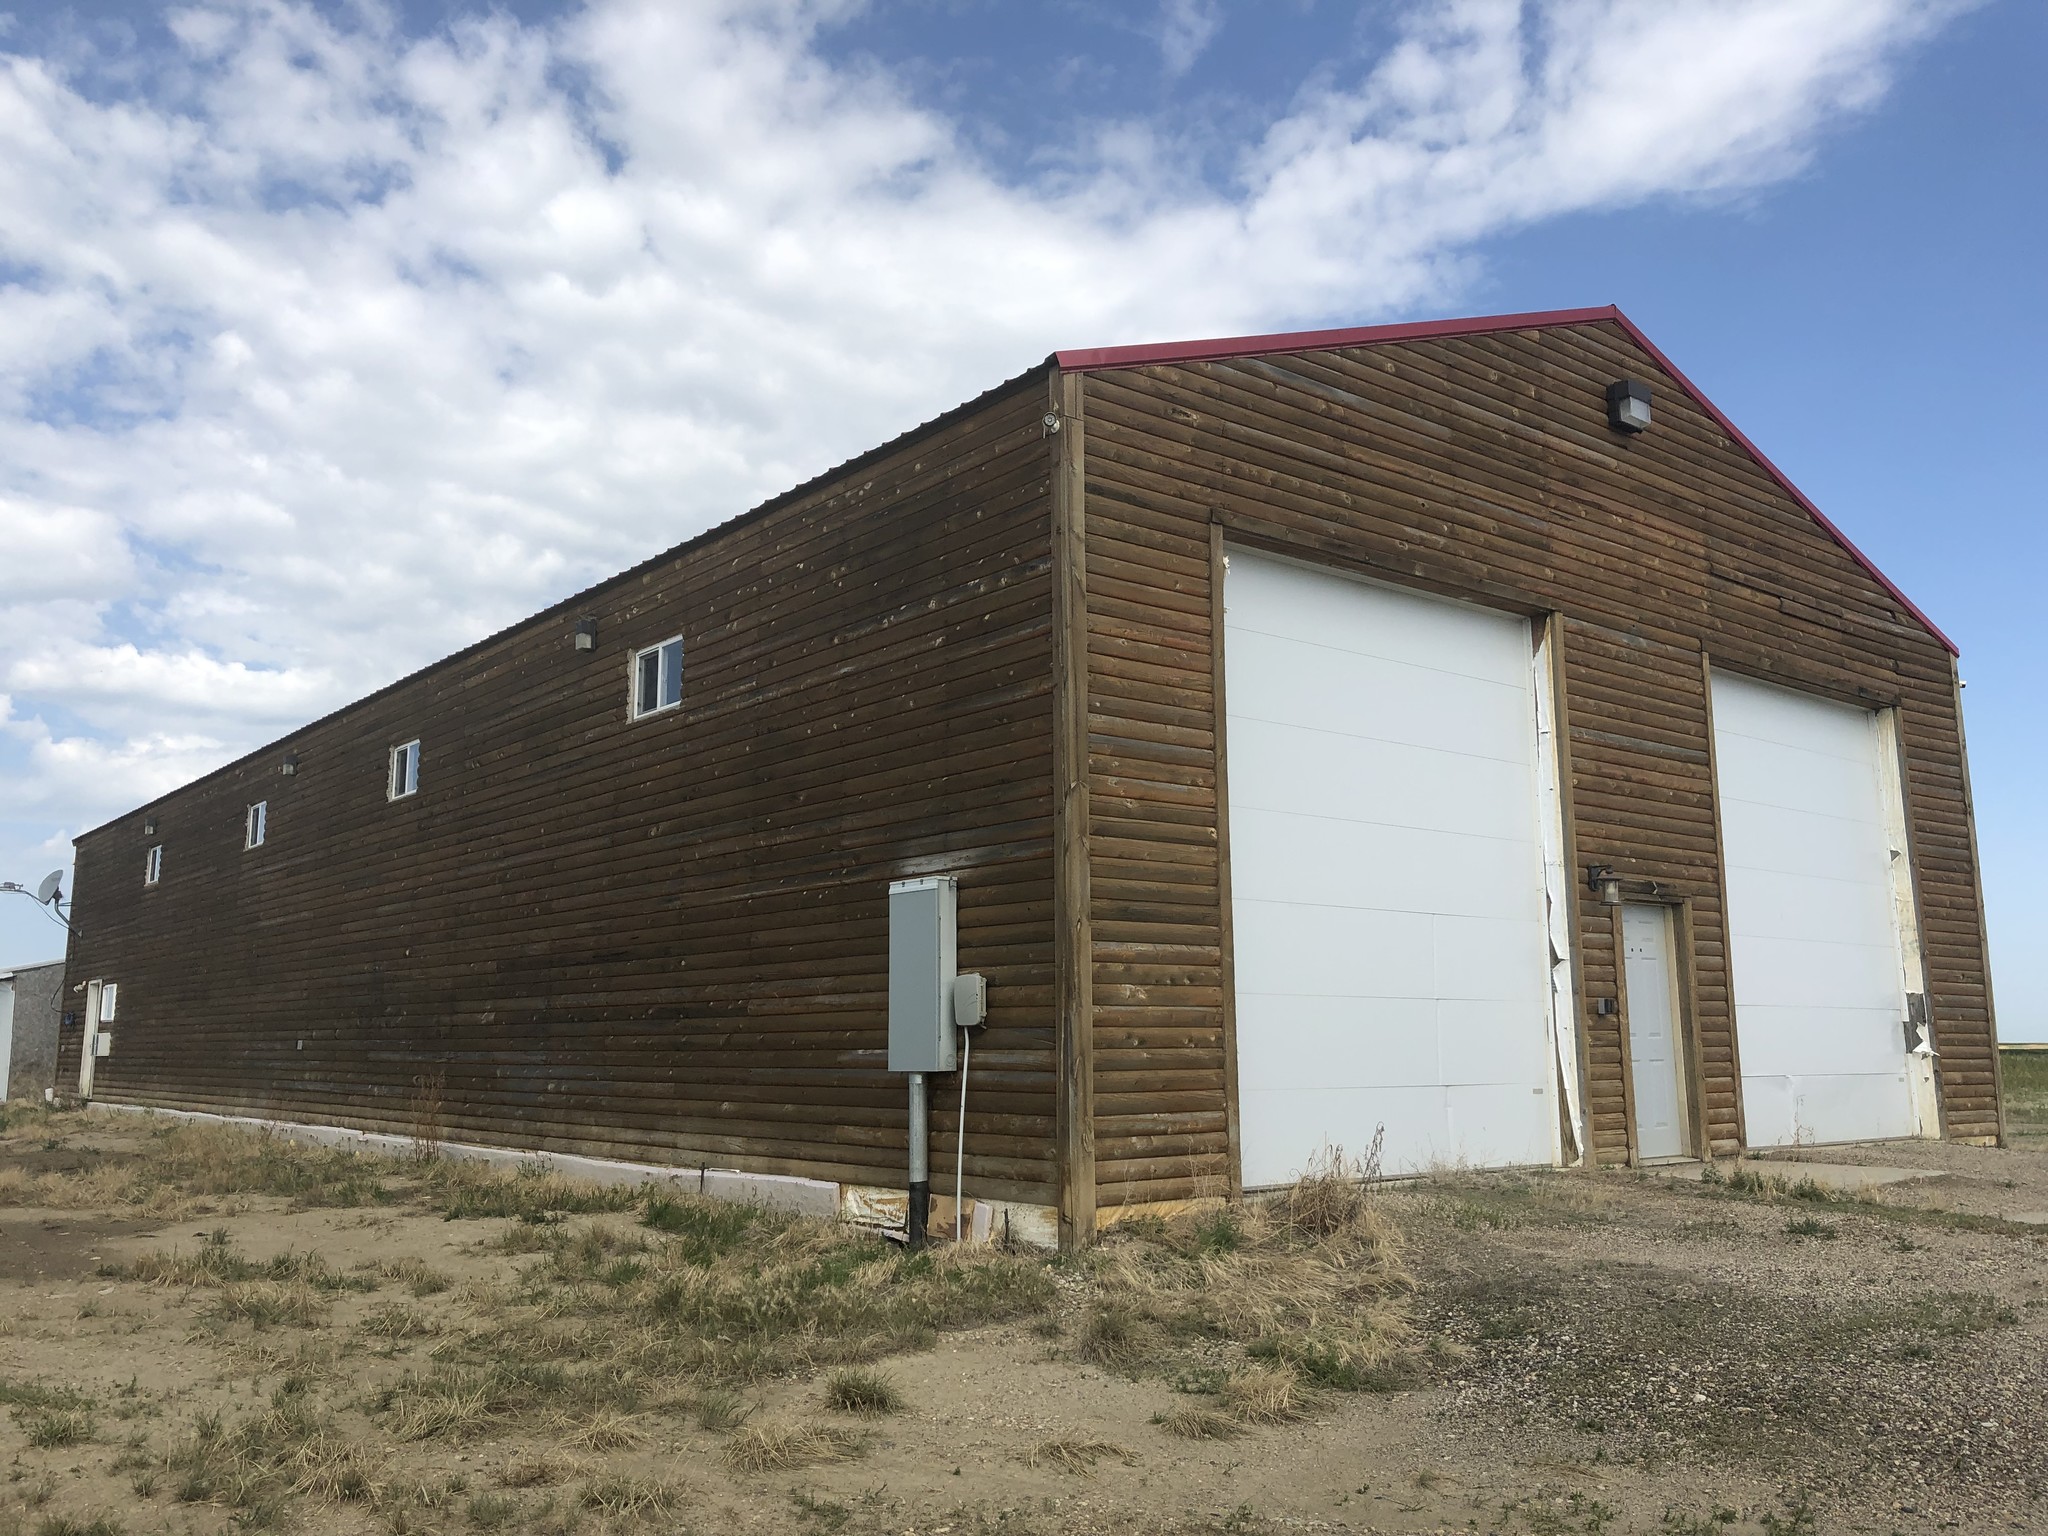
(403, 785)
(110, 996)
(153, 866)
(637, 707)
(255, 825)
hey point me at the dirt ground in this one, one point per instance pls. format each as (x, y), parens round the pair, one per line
(1591, 1353)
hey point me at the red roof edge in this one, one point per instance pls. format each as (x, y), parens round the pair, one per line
(1095, 359)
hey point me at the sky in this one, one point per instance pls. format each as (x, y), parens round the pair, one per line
(334, 336)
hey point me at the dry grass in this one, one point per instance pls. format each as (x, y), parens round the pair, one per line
(605, 1430)
(720, 1409)
(1191, 1421)
(56, 1427)
(537, 1471)
(270, 1304)
(1309, 1280)
(595, 1322)
(396, 1320)
(292, 1448)
(631, 1497)
(777, 1447)
(1068, 1453)
(855, 1390)
(1269, 1396)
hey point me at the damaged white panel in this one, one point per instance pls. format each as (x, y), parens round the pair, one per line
(1557, 907)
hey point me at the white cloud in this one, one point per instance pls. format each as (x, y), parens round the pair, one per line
(1186, 28)
(324, 350)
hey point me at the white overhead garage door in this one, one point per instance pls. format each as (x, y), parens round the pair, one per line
(1386, 874)
(1813, 935)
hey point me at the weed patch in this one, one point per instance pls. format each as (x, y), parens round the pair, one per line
(855, 1390)
(783, 1447)
(1068, 1453)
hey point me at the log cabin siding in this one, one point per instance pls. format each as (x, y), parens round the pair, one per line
(993, 648)
(659, 939)
(1481, 467)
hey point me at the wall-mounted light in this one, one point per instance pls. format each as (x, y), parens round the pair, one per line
(586, 634)
(1628, 405)
(149, 826)
(1603, 879)
(290, 765)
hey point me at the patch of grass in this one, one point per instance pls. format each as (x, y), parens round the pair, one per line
(65, 1525)
(415, 1274)
(720, 1409)
(605, 1430)
(1191, 1421)
(536, 1471)
(491, 1511)
(468, 1190)
(1071, 1453)
(1685, 1522)
(705, 1229)
(270, 1304)
(1264, 1396)
(451, 1406)
(1120, 1337)
(22, 1395)
(857, 1390)
(216, 1262)
(616, 1497)
(1811, 1226)
(782, 1447)
(291, 1448)
(53, 1428)
(1309, 1279)
(821, 1514)
(50, 1418)
(2024, 1074)
(396, 1320)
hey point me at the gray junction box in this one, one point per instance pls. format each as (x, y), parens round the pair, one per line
(923, 955)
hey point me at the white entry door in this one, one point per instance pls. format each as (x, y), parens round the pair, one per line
(1651, 978)
(1813, 928)
(1386, 875)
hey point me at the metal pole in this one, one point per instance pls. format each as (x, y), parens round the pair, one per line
(920, 1161)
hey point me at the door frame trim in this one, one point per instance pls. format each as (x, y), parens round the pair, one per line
(1685, 1000)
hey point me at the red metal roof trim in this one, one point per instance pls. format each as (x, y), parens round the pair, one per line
(1095, 359)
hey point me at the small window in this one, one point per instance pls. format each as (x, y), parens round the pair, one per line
(405, 771)
(109, 992)
(256, 824)
(658, 678)
(153, 869)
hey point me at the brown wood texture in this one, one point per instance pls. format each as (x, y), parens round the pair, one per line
(1480, 467)
(660, 939)
(1074, 1019)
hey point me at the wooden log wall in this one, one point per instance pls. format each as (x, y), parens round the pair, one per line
(663, 939)
(1480, 467)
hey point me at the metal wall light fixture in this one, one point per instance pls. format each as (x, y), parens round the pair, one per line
(586, 634)
(1628, 405)
(290, 765)
(1603, 879)
(149, 826)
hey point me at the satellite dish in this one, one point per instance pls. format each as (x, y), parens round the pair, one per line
(51, 888)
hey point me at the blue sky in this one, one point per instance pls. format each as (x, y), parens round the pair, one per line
(334, 337)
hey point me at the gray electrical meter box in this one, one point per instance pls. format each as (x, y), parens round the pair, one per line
(922, 958)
